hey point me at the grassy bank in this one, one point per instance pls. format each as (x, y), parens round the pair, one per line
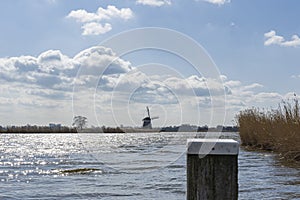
(276, 130)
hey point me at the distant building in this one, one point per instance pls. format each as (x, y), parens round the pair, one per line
(54, 126)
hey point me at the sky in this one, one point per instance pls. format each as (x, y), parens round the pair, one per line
(56, 60)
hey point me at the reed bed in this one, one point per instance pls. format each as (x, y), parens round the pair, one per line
(275, 130)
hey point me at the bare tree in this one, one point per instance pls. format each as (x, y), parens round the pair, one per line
(79, 122)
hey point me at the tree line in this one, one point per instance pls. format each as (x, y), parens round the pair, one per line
(37, 129)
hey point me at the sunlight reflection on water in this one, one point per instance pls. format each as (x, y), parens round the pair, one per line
(122, 166)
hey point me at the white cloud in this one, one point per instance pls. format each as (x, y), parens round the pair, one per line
(295, 76)
(267, 96)
(83, 16)
(155, 3)
(232, 83)
(218, 2)
(54, 61)
(149, 85)
(195, 85)
(253, 86)
(291, 96)
(273, 39)
(99, 60)
(113, 12)
(101, 14)
(96, 23)
(56, 71)
(94, 28)
(190, 93)
(295, 41)
(47, 82)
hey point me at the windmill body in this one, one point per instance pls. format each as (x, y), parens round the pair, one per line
(147, 121)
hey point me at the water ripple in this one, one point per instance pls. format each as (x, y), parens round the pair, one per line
(123, 166)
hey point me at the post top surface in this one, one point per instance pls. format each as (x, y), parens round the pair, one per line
(209, 146)
(201, 140)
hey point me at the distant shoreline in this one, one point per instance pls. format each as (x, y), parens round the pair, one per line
(67, 130)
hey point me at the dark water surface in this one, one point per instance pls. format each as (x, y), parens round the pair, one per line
(123, 166)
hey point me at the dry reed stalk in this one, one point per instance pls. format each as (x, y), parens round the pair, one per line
(275, 130)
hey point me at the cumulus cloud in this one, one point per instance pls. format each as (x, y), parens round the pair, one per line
(96, 23)
(144, 85)
(154, 3)
(52, 79)
(52, 73)
(46, 70)
(191, 93)
(253, 85)
(263, 96)
(195, 85)
(295, 76)
(291, 95)
(31, 84)
(101, 14)
(83, 16)
(56, 71)
(244, 96)
(273, 39)
(218, 2)
(94, 28)
(100, 60)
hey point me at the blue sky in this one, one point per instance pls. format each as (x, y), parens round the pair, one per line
(254, 44)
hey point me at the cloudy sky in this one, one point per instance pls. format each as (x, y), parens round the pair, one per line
(54, 63)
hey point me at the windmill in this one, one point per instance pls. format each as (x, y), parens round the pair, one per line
(147, 120)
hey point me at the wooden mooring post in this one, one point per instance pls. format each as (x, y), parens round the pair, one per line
(212, 169)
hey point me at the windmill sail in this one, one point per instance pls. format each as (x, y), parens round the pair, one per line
(148, 112)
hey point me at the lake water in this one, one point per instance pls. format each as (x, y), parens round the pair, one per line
(123, 166)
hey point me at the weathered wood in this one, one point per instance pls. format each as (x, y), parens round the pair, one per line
(214, 176)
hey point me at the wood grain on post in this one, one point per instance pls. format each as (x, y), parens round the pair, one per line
(212, 169)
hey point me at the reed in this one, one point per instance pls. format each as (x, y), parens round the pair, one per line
(276, 130)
